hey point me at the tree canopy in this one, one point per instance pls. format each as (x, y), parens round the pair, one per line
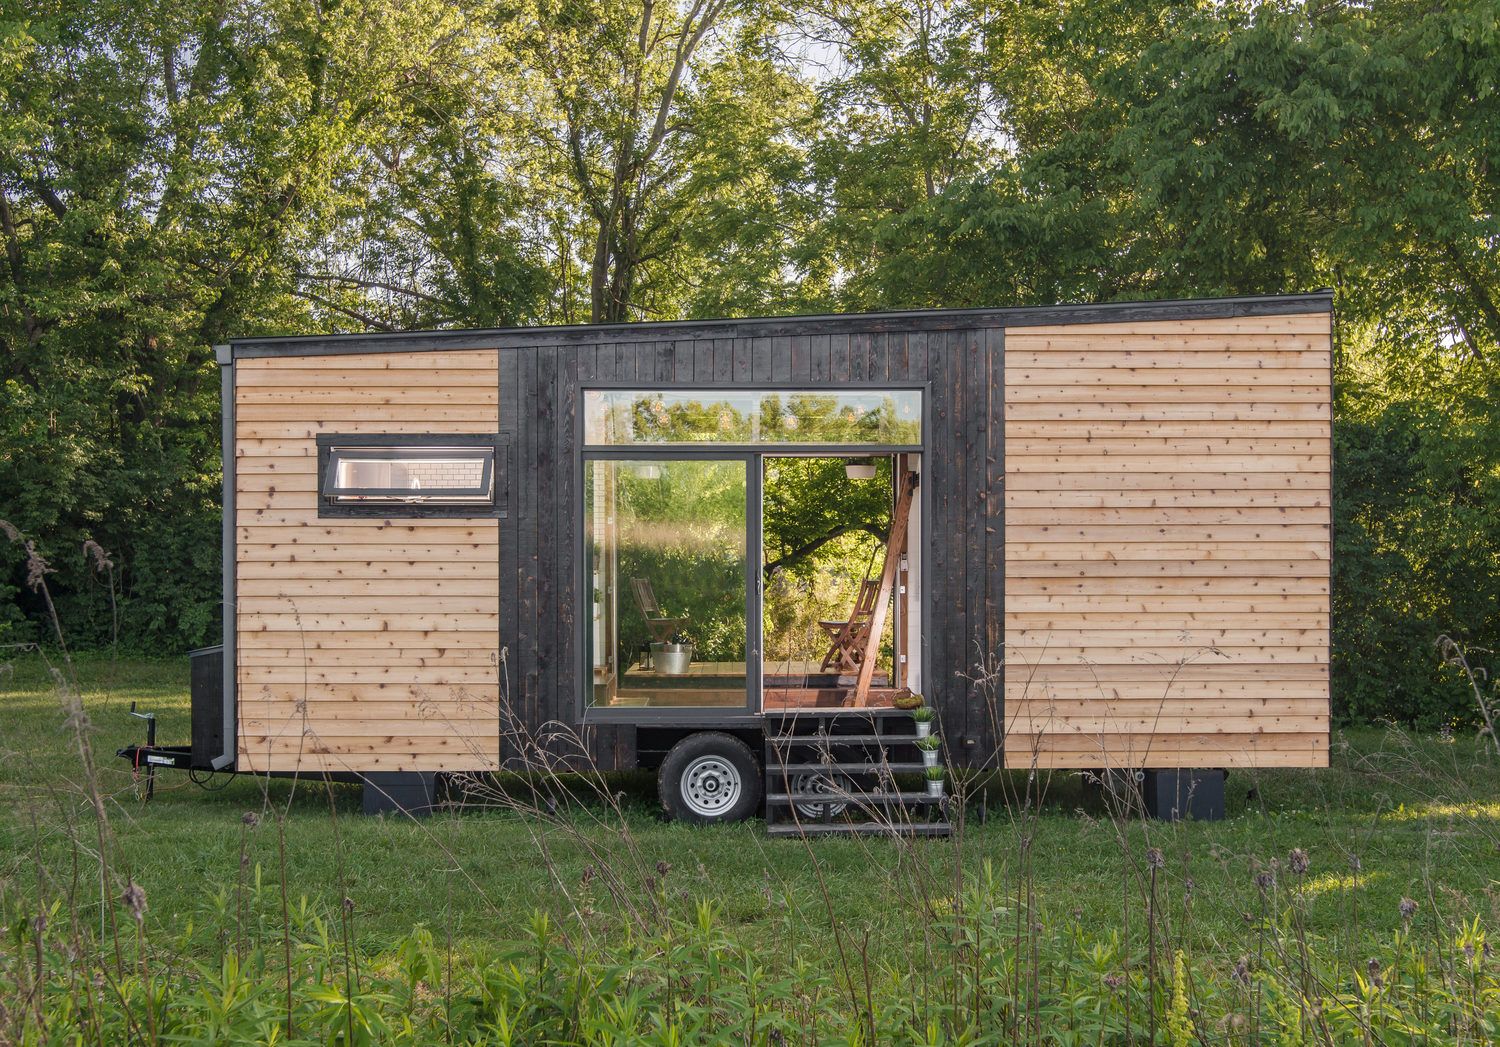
(173, 174)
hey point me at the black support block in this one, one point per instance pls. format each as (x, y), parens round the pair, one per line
(1172, 795)
(407, 792)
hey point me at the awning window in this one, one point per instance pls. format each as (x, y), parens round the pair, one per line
(414, 475)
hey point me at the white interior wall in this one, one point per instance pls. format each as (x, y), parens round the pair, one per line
(914, 621)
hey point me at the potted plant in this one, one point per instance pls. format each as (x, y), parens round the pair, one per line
(929, 747)
(676, 655)
(935, 776)
(923, 716)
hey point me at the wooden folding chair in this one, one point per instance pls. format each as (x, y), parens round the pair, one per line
(847, 650)
(660, 626)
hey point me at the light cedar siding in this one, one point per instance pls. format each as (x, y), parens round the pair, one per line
(1167, 543)
(364, 644)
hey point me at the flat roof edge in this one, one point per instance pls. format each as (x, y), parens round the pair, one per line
(761, 326)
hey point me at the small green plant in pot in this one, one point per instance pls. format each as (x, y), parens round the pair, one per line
(923, 717)
(929, 747)
(935, 777)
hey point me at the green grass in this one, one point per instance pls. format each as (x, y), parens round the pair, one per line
(1420, 813)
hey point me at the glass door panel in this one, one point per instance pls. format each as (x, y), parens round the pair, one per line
(666, 544)
(826, 541)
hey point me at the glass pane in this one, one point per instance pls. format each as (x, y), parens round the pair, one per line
(826, 539)
(456, 474)
(666, 564)
(750, 416)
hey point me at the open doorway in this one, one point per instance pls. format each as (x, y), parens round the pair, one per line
(840, 562)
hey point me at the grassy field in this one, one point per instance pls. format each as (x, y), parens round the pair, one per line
(1396, 816)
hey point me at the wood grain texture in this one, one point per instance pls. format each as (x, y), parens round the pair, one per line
(1167, 543)
(364, 644)
(1136, 512)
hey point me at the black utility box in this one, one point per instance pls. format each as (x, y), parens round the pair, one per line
(1173, 794)
(207, 674)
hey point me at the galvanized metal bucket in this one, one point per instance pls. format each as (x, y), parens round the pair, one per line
(674, 659)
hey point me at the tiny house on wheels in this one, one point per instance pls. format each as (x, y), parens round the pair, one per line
(735, 551)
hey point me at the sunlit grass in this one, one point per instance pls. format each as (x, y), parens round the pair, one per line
(1335, 882)
(1418, 815)
(1423, 812)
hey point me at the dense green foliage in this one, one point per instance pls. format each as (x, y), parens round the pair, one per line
(819, 550)
(684, 977)
(682, 530)
(174, 174)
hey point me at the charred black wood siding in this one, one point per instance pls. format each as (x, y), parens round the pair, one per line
(962, 474)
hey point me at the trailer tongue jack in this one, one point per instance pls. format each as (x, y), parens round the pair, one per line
(151, 756)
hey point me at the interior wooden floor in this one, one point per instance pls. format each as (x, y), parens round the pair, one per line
(805, 685)
(785, 685)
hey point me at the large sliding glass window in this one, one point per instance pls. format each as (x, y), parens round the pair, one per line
(888, 417)
(672, 527)
(666, 544)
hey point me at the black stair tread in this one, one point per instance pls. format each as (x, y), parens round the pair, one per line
(860, 829)
(776, 769)
(841, 739)
(853, 798)
(880, 713)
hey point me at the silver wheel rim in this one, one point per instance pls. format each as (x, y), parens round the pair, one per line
(819, 782)
(711, 786)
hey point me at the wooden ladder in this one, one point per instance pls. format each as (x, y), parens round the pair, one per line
(895, 546)
(832, 772)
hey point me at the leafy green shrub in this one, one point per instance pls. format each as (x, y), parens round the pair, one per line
(686, 978)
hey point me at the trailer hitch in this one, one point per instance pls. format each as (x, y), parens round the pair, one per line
(151, 756)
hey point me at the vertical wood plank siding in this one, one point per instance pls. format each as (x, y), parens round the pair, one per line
(539, 609)
(1167, 543)
(363, 644)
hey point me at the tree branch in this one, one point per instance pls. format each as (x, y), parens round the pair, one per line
(353, 314)
(687, 43)
(34, 329)
(169, 70)
(47, 195)
(1481, 299)
(381, 285)
(802, 552)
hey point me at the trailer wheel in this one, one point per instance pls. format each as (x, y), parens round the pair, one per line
(838, 787)
(709, 778)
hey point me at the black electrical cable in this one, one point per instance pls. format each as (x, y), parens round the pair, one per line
(203, 781)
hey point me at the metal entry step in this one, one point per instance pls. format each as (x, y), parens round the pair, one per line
(832, 740)
(859, 829)
(855, 799)
(894, 767)
(848, 772)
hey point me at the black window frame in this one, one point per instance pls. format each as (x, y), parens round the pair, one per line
(752, 714)
(430, 505)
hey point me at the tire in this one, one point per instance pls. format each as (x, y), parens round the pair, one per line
(709, 778)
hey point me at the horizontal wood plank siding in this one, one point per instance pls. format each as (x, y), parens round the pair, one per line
(1167, 543)
(363, 644)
